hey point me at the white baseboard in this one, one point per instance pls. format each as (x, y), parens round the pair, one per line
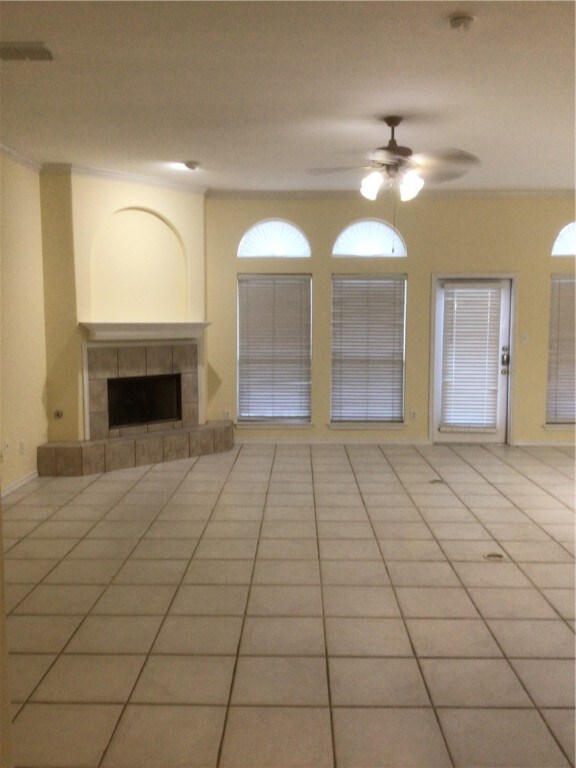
(242, 440)
(18, 484)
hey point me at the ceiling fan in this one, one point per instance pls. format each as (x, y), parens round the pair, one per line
(398, 167)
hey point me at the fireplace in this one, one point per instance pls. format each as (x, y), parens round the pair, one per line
(165, 357)
(136, 400)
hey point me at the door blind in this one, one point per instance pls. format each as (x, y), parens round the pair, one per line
(368, 348)
(274, 348)
(560, 405)
(470, 356)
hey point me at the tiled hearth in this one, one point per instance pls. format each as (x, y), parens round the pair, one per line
(75, 458)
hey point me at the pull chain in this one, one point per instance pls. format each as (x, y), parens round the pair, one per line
(394, 219)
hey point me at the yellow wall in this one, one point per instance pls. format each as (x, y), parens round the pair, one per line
(138, 270)
(63, 337)
(175, 223)
(445, 234)
(22, 330)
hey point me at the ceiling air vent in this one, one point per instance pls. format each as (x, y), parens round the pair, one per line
(25, 51)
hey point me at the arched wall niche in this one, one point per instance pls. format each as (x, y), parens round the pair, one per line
(138, 270)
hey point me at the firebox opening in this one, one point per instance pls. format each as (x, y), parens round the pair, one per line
(137, 400)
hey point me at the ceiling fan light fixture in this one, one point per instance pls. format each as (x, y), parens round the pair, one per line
(407, 183)
(371, 185)
(410, 185)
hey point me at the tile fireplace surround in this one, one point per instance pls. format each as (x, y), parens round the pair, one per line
(118, 350)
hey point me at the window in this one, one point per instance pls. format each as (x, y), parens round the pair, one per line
(369, 237)
(368, 322)
(274, 238)
(565, 243)
(274, 348)
(560, 405)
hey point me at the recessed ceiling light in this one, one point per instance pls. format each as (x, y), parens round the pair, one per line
(461, 22)
(25, 51)
(192, 165)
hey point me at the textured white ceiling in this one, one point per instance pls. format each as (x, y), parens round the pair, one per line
(265, 95)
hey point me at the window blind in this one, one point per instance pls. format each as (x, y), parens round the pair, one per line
(470, 356)
(560, 404)
(274, 347)
(368, 348)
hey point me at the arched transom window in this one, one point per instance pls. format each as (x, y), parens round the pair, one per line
(370, 237)
(274, 238)
(565, 243)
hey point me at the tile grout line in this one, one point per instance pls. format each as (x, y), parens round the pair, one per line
(326, 654)
(401, 612)
(511, 500)
(352, 461)
(86, 613)
(219, 752)
(126, 702)
(502, 544)
(489, 628)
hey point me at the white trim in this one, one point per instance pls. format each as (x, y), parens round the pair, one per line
(332, 441)
(271, 425)
(19, 484)
(28, 162)
(543, 443)
(135, 178)
(244, 194)
(144, 331)
(369, 425)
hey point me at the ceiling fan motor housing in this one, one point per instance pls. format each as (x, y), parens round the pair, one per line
(393, 148)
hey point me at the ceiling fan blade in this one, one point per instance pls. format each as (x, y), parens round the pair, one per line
(445, 165)
(385, 156)
(341, 169)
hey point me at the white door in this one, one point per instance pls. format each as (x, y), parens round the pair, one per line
(472, 356)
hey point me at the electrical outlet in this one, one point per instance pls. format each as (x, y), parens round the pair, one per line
(413, 415)
(22, 447)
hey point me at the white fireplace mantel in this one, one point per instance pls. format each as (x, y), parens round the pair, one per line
(144, 331)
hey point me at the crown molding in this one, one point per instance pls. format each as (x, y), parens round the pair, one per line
(134, 178)
(28, 162)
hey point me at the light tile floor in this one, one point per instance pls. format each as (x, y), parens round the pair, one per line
(297, 605)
